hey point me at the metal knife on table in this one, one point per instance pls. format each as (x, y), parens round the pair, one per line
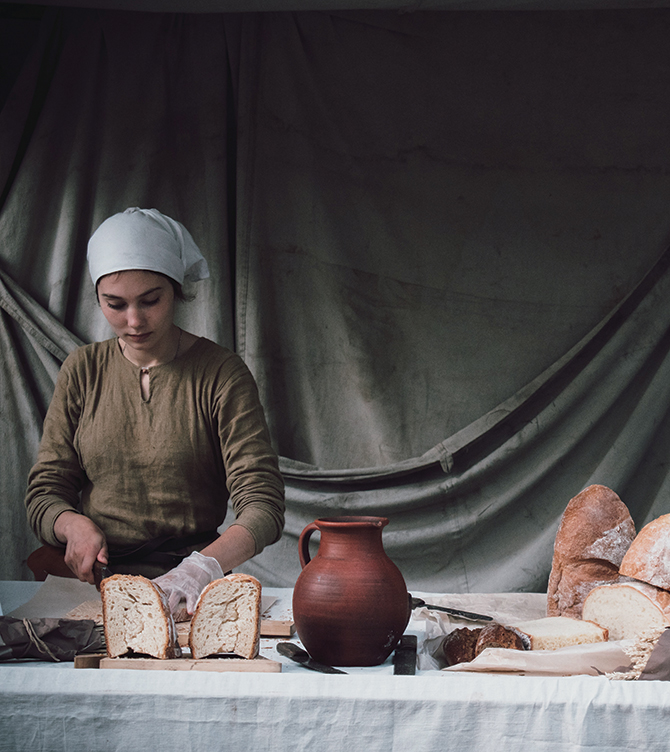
(297, 654)
(468, 615)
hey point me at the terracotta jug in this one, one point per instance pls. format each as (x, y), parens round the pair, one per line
(350, 603)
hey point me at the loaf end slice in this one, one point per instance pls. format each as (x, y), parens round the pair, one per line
(227, 618)
(137, 618)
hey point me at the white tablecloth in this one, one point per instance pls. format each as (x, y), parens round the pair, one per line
(54, 707)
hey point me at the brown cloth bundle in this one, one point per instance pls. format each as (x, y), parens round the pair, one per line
(48, 639)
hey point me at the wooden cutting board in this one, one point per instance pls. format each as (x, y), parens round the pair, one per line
(260, 664)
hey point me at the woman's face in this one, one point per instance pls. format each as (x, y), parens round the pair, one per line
(139, 306)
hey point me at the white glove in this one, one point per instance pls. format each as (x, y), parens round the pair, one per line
(187, 580)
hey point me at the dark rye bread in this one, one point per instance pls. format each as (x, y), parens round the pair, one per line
(464, 645)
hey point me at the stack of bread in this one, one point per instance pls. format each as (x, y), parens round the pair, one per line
(606, 583)
(602, 572)
(137, 619)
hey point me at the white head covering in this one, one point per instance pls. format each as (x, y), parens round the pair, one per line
(148, 240)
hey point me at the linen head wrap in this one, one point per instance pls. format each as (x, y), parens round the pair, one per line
(148, 240)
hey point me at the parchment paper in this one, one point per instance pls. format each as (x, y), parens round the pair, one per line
(55, 598)
(594, 659)
(60, 595)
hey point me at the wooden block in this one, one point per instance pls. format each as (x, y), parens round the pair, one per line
(88, 660)
(260, 664)
(276, 628)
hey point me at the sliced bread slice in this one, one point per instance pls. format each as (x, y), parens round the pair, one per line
(555, 632)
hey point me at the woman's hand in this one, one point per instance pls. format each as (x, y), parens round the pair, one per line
(187, 580)
(84, 544)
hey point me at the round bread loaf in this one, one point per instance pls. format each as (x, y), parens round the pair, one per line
(648, 558)
(459, 646)
(595, 532)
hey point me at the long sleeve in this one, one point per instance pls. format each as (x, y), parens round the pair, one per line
(165, 465)
(55, 481)
(252, 474)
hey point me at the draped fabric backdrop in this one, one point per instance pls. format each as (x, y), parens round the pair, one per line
(438, 239)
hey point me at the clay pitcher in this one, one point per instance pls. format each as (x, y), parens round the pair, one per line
(350, 603)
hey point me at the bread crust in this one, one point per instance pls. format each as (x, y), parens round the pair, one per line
(595, 532)
(648, 558)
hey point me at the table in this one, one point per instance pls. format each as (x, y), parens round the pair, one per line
(54, 707)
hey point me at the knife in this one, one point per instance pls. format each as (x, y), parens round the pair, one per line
(469, 615)
(297, 654)
(404, 657)
(100, 572)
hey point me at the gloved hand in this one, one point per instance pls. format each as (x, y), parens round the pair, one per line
(187, 580)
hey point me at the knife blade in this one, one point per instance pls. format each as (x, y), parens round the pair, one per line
(468, 615)
(404, 657)
(297, 654)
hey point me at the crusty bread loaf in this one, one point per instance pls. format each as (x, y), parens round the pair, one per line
(628, 608)
(595, 532)
(495, 635)
(227, 618)
(648, 558)
(555, 632)
(459, 646)
(137, 618)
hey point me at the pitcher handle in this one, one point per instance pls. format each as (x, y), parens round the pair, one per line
(303, 544)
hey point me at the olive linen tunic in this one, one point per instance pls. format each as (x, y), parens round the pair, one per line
(140, 468)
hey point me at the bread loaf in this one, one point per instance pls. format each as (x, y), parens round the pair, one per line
(628, 608)
(555, 632)
(137, 618)
(227, 618)
(595, 532)
(648, 558)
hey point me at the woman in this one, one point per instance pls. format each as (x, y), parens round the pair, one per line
(149, 433)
